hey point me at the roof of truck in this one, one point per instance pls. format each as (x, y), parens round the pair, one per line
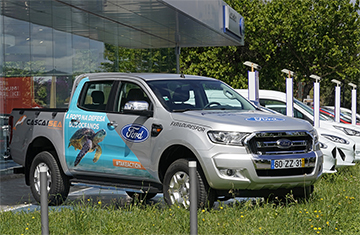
(143, 76)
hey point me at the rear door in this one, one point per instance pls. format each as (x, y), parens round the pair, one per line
(101, 137)
(86, 130)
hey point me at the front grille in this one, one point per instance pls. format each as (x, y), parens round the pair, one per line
(279, 143)
(267, 147)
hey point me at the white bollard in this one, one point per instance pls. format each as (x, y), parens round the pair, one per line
(317, 104)
(353, 106)
(337, 103)
(289, 97)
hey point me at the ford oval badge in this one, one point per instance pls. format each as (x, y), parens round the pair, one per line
(284, 143)
(264, 119)
(135, 133)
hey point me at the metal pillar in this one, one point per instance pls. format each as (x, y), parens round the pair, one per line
(44, 201)
(177, 53)
(193, 198)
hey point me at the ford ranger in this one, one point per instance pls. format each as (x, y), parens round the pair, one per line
(139, 131)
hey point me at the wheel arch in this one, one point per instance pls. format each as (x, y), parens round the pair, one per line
(38, 145)
(173, 153)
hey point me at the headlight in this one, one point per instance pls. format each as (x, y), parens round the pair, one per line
(335, 139)
(225, 137)
(348, 131)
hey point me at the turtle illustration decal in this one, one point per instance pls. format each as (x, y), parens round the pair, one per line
(87, 140)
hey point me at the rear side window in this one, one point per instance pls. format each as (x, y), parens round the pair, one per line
(95, 95)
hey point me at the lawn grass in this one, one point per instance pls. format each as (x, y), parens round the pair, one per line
(334, 208)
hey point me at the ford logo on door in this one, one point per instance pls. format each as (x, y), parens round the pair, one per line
(135, 133)
(284, 143)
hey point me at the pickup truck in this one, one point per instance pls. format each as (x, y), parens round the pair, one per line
(139, 131)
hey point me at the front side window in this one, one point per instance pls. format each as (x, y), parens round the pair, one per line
(183, 95)
(132, 96)
(95, 95)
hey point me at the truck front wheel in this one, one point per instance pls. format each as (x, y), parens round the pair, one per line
(57, 184)
(176, 186)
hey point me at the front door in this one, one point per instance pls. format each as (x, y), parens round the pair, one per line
(133, 132)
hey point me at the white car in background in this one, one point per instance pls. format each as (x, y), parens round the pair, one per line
(345, 136)
(344, 111)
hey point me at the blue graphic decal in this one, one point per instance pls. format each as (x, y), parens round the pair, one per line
(135, 133)
(265, 119)
(92, 146)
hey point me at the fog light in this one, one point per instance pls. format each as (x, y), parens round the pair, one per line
(233, 173)
(230, 172)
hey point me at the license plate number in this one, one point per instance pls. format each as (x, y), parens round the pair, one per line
(287, 163)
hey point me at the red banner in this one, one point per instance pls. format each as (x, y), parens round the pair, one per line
(17, 92)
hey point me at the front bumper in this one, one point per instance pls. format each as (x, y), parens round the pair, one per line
(345, 156)
(226, 171)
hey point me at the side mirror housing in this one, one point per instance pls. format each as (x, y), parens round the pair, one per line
(138, 108)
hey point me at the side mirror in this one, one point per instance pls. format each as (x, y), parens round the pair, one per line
(138, 108)
(136, 105)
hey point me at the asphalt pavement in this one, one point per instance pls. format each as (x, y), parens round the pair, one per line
(15, 195)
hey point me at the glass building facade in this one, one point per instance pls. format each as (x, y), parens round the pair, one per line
(45, 44)
(38, 61)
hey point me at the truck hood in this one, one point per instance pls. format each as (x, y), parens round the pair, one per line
(244, 121)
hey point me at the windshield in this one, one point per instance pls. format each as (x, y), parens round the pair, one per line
(310, 110)
(183, 95)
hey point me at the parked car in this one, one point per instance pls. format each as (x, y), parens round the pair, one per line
(344, 112)
(330, 114)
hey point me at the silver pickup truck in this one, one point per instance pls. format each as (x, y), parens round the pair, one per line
(139, 131)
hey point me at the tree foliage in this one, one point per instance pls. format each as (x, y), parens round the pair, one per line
(319, 37)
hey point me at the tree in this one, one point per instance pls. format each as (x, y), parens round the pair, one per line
(319, 37)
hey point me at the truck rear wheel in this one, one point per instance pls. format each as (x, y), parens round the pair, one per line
(176, 186)
(58, 184)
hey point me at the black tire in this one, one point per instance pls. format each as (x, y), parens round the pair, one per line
(58, 184)
(299, 193)
(179, 171)
(303, 193)
(141, 196)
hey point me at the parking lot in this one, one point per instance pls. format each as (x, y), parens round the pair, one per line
(15, 195)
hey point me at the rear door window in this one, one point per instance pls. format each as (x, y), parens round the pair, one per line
(95, 95)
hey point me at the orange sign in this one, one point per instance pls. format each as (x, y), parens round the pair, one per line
(18, 92)
(128, 164)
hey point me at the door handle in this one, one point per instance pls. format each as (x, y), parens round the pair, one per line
(112, 124)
